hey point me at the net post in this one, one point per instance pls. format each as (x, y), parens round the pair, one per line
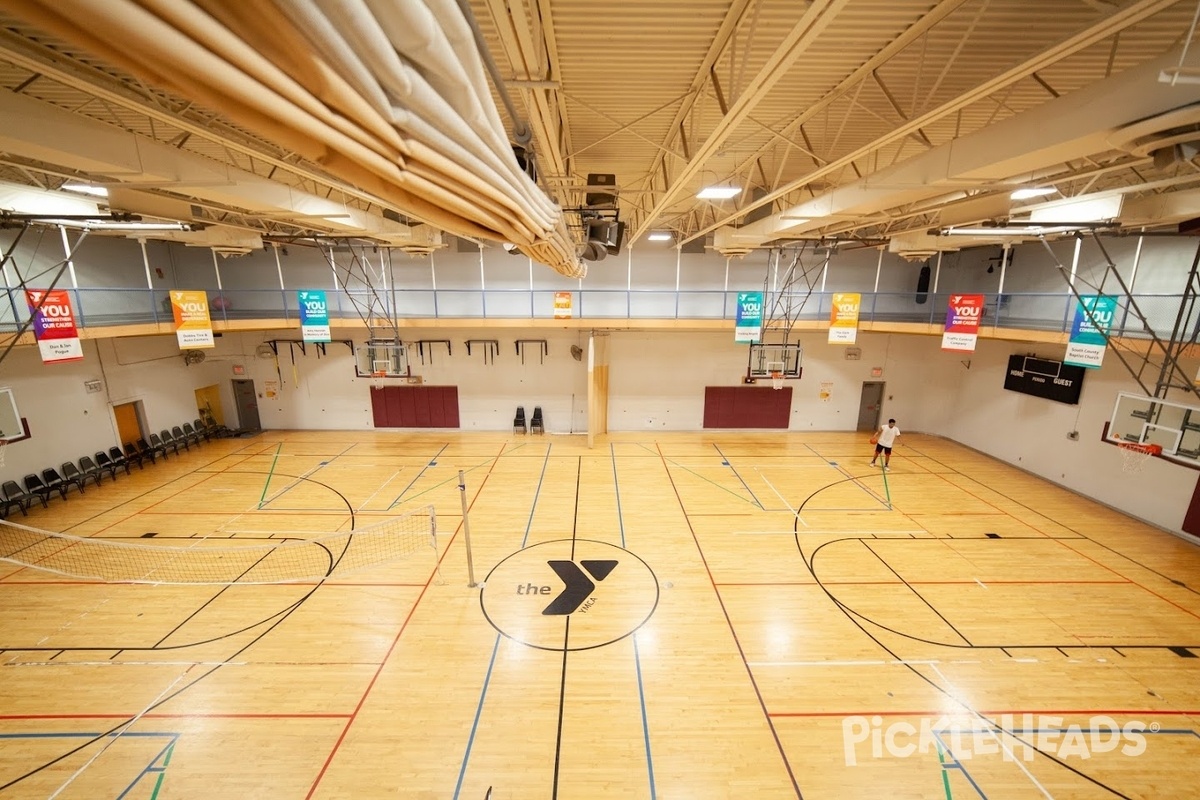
(462, 494)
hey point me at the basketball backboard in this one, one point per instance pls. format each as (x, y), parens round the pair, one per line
(767, 358)
(10, 416)
(1175, 427)
(382, 358)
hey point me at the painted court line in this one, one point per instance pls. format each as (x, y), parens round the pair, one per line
(869, 663)
(794, 512)
(954, 693)
(827, 533)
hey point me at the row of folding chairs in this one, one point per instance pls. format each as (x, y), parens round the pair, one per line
(93, 468)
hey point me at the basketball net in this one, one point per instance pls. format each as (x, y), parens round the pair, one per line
(1134, 455)
(775, 368)
(3, 442)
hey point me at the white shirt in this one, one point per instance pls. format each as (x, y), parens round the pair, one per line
(888, 434)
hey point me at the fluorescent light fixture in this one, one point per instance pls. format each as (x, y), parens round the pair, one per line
(113, 225)
(84, 188)
(1028, 192)
(719, 192)
(1016, 230)
(660, 236)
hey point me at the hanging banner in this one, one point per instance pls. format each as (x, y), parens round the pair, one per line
(314, 315)
(562, 305)
(54, 325)
(843, 322)
(192, 325)
(963, 314)
(1089, 332)
(748, 327)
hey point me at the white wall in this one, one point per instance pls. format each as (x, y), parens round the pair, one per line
(657, 382)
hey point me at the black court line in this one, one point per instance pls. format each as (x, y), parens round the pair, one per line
(851, 616)
(787, 764)
(728, 463)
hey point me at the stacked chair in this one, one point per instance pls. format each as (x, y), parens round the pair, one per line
(93, 468)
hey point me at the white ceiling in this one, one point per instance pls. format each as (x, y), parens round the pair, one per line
(866, 119)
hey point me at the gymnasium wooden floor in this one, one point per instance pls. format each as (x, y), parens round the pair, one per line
(663, 616)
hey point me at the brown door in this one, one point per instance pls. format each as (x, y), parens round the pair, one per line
(129, 428)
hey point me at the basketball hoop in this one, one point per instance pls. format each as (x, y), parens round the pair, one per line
(1134, 455)
(775, 369)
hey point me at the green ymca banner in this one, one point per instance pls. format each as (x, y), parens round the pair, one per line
(1089, 332)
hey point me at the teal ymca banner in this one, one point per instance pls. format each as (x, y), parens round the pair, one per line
(314, 315)
(749, 317)
(1089, 332)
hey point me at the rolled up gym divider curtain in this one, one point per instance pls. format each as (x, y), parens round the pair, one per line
(390, 97)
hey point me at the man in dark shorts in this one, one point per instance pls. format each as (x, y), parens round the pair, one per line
(883, 443)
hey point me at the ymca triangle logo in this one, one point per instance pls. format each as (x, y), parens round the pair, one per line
(577, 586)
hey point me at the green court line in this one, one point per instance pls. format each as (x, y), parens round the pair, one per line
(754, 503)
(163, 774)
(886, 489)
(275, 461)
(945, 774)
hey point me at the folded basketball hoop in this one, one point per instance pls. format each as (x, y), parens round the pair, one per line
(1135, 454)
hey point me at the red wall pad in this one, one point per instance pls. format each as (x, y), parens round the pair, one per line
(747, 407)
(415, 406)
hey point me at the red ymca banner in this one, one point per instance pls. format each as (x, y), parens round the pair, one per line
(54, 325)
(962, 323)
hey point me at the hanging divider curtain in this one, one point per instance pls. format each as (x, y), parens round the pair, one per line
(389, 97)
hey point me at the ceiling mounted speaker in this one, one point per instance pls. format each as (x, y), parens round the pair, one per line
(193, 357)
(594, 251)
(599, 198)
(1174, 154)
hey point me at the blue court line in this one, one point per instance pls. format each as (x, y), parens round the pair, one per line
(726, 461)
(676, 464)
(149, 769)
(168, 748)
(954, 763)
(887, 506)
(462, 772)
(536, 494)
(637, 660)
(297, 481)
(417, 477)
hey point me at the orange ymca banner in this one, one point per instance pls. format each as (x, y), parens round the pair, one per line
(562, 305)
(843, 322)
(193, 328)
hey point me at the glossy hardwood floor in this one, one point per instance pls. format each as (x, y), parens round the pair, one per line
(663, 616)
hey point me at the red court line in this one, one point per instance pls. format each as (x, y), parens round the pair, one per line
(332, 583)
(314, 715)
(403, 627)
(1078, 712)
(899, 581)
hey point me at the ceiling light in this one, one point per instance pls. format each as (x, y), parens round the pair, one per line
(719, 192)
(84, 188)
(116, 225)
(660, 236)
(1028, 192)
(1016, 230)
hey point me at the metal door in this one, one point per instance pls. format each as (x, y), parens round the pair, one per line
(870, 406)
(247, 405)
